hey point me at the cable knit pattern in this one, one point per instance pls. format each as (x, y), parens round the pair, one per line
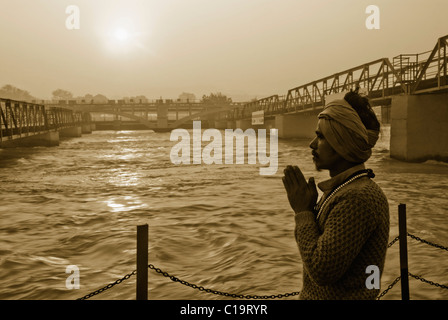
(351, 233)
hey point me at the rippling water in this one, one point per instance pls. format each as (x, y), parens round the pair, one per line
(224, 227)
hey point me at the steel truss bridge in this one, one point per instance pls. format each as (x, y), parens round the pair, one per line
(19, 119)
(160, 115)
(382, 79)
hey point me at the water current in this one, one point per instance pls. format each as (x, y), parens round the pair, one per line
(224, 227)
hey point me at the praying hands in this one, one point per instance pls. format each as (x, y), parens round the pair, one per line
(302, 196)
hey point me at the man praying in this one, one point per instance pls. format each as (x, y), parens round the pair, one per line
(347, 230)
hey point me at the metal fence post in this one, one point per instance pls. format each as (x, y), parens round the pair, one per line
(403, 252)
(142, 262)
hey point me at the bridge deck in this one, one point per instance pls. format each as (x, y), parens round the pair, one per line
(381, 79)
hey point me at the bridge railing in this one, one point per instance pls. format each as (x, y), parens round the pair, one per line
(21, 118)
(70, 103)
(433, 73)
(62, 118)
(408, 74)
(270, 105)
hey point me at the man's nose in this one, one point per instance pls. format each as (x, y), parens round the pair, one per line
(313, 144)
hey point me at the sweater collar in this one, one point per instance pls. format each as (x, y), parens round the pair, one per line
(328, 185)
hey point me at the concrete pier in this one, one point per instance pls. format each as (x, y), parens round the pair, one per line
(419, 127)
(385, 114)
(86, 128)
(220, 124)
(244, 124)
(269, 124)
(47, 139)
(231, 125)
(116, 125)
(162, 118)
(70, 132)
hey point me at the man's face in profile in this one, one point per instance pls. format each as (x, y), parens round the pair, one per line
(324, 156)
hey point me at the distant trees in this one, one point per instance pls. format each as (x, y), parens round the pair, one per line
(141, 98)
(136, 99)
(60, 94)
(216, 99)
(187, 97)
(99, 98)
(87, 97)
(10, 92)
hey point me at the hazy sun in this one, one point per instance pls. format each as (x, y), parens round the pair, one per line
(121, 34)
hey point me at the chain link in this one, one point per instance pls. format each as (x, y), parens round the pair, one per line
(414, 276)
(388, 288)
(427, 242)
(418, 239)
(226, 294)
(110, 285)
(428, 281)
(393, 241)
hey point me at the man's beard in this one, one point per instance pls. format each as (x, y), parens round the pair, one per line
(315, 163)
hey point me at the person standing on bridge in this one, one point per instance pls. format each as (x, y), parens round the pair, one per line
(348, 229)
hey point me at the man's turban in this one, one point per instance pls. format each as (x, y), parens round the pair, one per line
(343, 129)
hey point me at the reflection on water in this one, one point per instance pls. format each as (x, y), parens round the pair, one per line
(224, 227)
(123, 178)
(126, 203)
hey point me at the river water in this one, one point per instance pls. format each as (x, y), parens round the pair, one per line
(224, 227)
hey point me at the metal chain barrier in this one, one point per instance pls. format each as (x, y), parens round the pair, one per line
(393, 241)
(433, 245)
(427, 242)
(233, 295)
(410, 274)
(388, 288)
(110, 285)
(414, 276)
(419, 239)
(248, 296)
(428, 281)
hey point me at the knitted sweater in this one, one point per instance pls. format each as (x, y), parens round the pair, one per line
(350, 234)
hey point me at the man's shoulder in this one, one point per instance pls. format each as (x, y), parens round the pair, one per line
(365, 189)
(364, 196)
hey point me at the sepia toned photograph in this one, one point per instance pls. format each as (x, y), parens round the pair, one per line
(224, 155)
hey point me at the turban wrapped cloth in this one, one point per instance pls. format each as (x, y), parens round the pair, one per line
(343, 129)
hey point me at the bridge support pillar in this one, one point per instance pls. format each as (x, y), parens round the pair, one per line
(220, 124)
(46, 139)
(162, 117)
(269, 124)
(302, 125)
(419, 127)
(385, 114)
(231, 124)
(209, 122)
(70, 132)
(243, 124)
(85, 128)
(116, 125)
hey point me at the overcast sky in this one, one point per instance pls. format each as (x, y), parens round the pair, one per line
(242, 48)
